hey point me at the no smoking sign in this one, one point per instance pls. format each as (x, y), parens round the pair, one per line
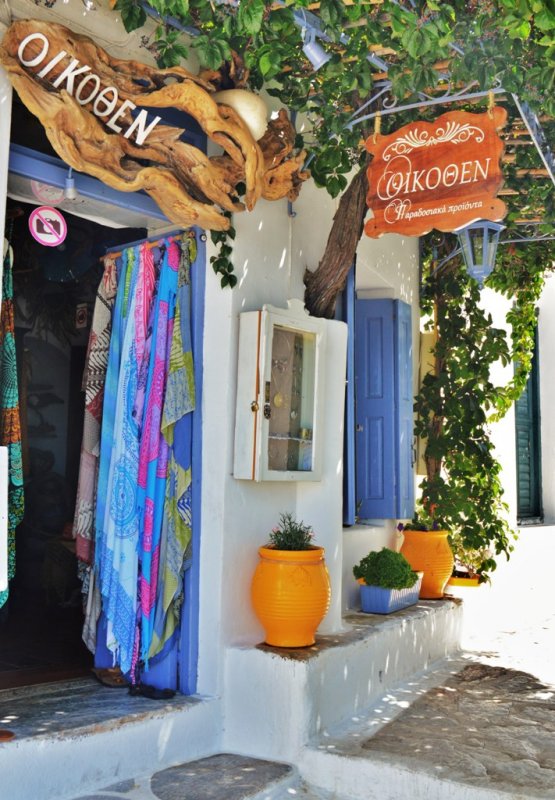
(47, 226)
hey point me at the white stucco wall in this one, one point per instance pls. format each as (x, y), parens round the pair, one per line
(503, 431)
(237, 514)
(546, 350)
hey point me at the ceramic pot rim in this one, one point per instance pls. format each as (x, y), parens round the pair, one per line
(313, 553)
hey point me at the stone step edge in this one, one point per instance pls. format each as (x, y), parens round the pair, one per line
(116, 750)
(288, 701)
(368, 778)
(395, 700)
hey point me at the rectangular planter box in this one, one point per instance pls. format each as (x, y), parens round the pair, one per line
(377, 600)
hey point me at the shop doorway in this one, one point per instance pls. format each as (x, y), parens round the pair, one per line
(54, 293)
(40, 630)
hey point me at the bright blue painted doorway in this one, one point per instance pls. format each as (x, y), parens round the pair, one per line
(179, 669)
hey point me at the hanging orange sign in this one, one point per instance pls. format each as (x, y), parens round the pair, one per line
(442, 174)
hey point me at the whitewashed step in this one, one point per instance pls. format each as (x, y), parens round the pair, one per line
(72, 737)
(462, 731)
(278, 699)
(223, 776)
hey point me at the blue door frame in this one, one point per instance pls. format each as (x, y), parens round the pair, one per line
(40, 167)
(183, 659)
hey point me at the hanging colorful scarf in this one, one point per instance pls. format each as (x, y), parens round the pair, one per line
(10, 430)
(153, 458)
(126, 285)
(177, 431)
(117, 559)
(94, 378)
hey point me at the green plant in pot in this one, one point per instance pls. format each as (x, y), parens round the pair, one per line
(290, 589)
(387, 582)
(468, 562)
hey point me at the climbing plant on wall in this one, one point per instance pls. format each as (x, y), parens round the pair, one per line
(429, 47)
(460, 397)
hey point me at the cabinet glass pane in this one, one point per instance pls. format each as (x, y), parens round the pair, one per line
(290, 399)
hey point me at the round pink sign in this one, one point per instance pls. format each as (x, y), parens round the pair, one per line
(47, 226)
(46, 193)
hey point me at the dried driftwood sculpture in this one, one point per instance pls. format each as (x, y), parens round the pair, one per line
(85, 99)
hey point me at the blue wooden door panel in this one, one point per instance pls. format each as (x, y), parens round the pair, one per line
(384, 409)
(404, 415)
(374, 397)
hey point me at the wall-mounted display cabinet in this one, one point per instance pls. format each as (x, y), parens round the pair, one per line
(278, 424)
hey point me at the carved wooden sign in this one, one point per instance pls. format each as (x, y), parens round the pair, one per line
(441, 174)
(94, 110)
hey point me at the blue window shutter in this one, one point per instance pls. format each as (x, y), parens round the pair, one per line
(375, 398)
(403, 411)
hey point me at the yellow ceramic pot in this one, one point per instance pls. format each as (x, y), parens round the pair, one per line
(290, 594)
(468, 583)
(429, 552)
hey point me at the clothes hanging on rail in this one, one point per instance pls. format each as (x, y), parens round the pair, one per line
(142, 515)
(118, 528)
(10, 429)
(177, 430)
(94, 377)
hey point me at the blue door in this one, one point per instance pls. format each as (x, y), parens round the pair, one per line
(383, 415)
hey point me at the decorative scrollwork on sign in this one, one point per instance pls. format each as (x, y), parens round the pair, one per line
(432, 175)
(453, 132)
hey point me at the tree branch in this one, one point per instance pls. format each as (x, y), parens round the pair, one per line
(324, 284)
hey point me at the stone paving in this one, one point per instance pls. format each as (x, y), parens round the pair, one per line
(222, 776)
(486, 726)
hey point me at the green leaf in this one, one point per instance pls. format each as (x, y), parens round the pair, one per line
(336, 184)
(250, 15)
(132, 13)
(545, 20)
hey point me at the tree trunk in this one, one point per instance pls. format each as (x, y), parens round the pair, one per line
(324, 284)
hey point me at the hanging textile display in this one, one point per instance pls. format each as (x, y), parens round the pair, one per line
(138, 463)
(153, 457)
(94, 377)
(177, 430)
(10, 430)
(118, 528)
(100, 380)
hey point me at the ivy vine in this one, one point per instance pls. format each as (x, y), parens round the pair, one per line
(429, 46)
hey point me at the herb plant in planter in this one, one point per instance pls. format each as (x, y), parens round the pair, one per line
(387, 582)
(290, 589)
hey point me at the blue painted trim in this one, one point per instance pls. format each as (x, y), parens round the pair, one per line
(38, 166)
(188, 671)
(349, 511)
(349, 494)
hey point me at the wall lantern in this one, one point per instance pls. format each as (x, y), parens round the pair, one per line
(314, 51)
(478, 242)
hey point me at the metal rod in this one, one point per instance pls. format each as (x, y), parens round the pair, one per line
(158, 238)
(536, 132)
(422, 104)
